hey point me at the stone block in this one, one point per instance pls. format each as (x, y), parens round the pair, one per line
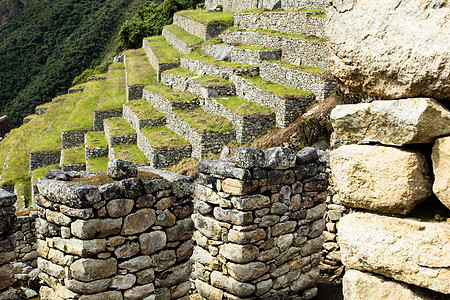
(279, 158)
(6, 276)
(88, 269)
(152, 242)
(231, 285)
(249, 158)
(6, 198)
(233, 216)
(250, 202)
(93, 287)
(406, 250)
(441, 167)
(247, 272)
(239, 253)
(139, 221)
(83, 248)
(119, 207)
(96, 228)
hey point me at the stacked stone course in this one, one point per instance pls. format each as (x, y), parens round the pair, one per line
(258, 225)
(125, 240)
(8, 227)
(26, 246)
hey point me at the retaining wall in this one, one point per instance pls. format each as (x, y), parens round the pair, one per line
(39, 160)
(224, 72)
(243, 5)
(203, 31)
(101, 115)
(153, 59)
(74, 138)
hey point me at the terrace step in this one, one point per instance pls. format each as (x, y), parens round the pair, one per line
(28, 119)
(205, 132)
(42, 109)
(161, 55)
(205, 86)
(119, 132)
(316, 81)
(165, 100)
(141, 114)
(181, 39)
(162, 147)
(249, 119)
(60, 98)
(79, 88)
(96, 144)
(296, 49)
(307, 22)
(287, 103)
(244, 54)
(73, 159)
(128, 152)
(200, 63)
(40, 172)
(139, 73)
(97, 164)
(202, 24)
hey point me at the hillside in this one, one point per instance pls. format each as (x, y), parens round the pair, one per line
(44, 46)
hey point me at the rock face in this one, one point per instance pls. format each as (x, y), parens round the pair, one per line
(383, 179)
(5, 126)
(391, 48)
(406, 250)
(365, 286)
(394, 122)
(441, 167)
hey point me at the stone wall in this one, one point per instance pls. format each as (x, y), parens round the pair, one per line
(293, 50)
(286, 109)
(245, 56)
(399, 230)
(244, 5)
(100, 115)
(70, 139)
(39, 160)
(166, 106)
(319, 85)
(203, 31)
(304, 23)
(118, 139)
(153, 59)
(247, 127)
(258, 224)
(131, 239)
(138, 123)
(26, 246)
(212, 69)
(179, 44)
(8, 227)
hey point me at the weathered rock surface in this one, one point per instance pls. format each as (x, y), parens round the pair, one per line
(441, 167)
(393, 122)
(395, 49)
(383, 179)
(406, 250)
(365, 286)
(5, 126)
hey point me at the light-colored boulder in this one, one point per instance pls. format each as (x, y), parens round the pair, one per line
(366, 286)
(441, 169)
(406, 250)
(379, 178)
(390, 48)
(392, 122)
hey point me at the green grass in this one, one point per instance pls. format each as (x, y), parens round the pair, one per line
(292, 35)
(45, 105)
(306, 69)
(42, 171)
(242, 107)
(276, 89)
(97, 164)
(213, 81)
(119, 127)
(144, 110)
(169, 94)
(96, 139)
(117, 66)
(189, 39)
(78, 86)
(163, 50)
(205, 122)
(139, 70)
(74, 156)
(204, 17)
(162, 137)
(130, 153)
(181, 72)
(201, 56)
(30, 117)
(113, 94)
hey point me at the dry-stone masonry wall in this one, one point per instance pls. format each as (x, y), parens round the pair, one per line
(201, 67)
(258, 224)
(252, 57)
(101, 115)
(8, 226)
(204, 31)
(243, 5)
(70, 139)
(39, 160)
(129, 239)
(153, 59)
(26, 246)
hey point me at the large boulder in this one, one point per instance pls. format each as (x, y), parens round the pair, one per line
(358, 285)
(390, 48)
(441, 169)
(379, 178)
(406, 250)
(5, 126)
(393, 122)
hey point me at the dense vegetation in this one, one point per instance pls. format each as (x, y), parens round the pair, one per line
(48, 43)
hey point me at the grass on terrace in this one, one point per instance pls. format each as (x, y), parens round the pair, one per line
(202, 56)
(119, 127)
(280, 34)
(144, 110)
(277, 89)
(139, 70)
(180, 33)
(201, 16)
(162, 137)
(307, 69)
(203, 121)
(181, 72)
(130, 153)
(45, 105)
(213, 81)
(97, 164)
(42, 171)
(169, 94)
(163, 50)
(96, 139)
(75, 155)
(242, 107)
(319, 13)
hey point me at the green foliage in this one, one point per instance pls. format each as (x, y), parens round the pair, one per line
(83, 77)
(48, 43)
(150, 20)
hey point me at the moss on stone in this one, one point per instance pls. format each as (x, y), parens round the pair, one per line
(171, 95)
(130, 153)
(201, 56)
(45, 105)
(307, 69)
(42, 171)
(181, 72)
(213, 81)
